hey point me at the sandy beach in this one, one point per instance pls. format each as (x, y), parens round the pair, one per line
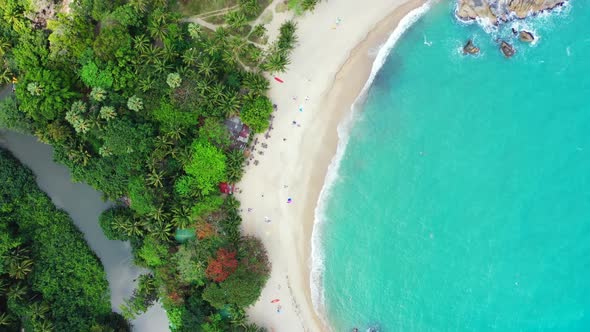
(337, 44)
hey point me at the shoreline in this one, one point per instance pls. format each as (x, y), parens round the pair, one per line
(317, 84)
(361, 63)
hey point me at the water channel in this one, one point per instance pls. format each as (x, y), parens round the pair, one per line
(84, 205)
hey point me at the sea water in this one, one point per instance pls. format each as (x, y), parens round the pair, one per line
(462, 200)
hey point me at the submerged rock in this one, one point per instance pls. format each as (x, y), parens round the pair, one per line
(507, 49)
(526, 36)
(470, 48)
(495, 11)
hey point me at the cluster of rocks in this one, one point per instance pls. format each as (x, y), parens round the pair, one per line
(40, 12)
(496, 11)
(506, 48)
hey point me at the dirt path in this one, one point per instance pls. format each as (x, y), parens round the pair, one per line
(202, 22)
(216, 12)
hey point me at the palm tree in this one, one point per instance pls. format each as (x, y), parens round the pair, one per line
(38, 310)
(251, 327)
(19, 263)
(5, 319)
(235, 160)
(158, 214)
(119, 224)
(287, 36)
(158, 28)
(160, 3)
(80, 156)
(19, 268)
(190, 56)
(237, 316)
(221, 36)
(249, 98)
(161, 66)
(161, 230)
(13, 16)
(276, 61)
(175, 133)
(211, 48)
(181, 216)
(236, 19)
(107, 113)
(17, 292)
(237, 45)
(250, 8)
(229, 57)
(145, 84)
(258, 31)
(82, 126)
(216, 92)
(44, 326)
(253, 53)
(309, 5)
(231, 203)
(194, 30)
(206, 67)
(4, 46)
(203, 87)
(141, 42)
(139, 6)
(184, 71)
(132, 227)
(230, 104)
(255, 83)
(152, 53)
(163, 142)
(5, 75)
(3, 287)
(155, 178)
(168, 52)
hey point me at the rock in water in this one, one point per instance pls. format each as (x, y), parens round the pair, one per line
(496, 11)
(507, 49)
(526, 36)
(470, 48)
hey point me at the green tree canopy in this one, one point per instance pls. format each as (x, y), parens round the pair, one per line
(256, 113)
(206, 167)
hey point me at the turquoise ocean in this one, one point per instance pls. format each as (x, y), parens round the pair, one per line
(462, 199)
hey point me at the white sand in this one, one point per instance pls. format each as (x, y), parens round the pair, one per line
(330, 65)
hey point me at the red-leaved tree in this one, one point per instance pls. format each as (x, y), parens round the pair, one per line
(221, 267)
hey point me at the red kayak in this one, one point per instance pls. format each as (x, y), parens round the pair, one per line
(275, 301)
(278, 79)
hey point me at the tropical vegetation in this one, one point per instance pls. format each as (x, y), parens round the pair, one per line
(50, 280)
(133, 100)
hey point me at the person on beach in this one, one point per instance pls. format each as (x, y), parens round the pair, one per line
(266, 220)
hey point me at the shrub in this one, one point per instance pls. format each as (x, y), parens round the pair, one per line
(152, 252)
(93, 77)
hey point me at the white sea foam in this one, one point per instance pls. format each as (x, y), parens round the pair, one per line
(317, 255)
